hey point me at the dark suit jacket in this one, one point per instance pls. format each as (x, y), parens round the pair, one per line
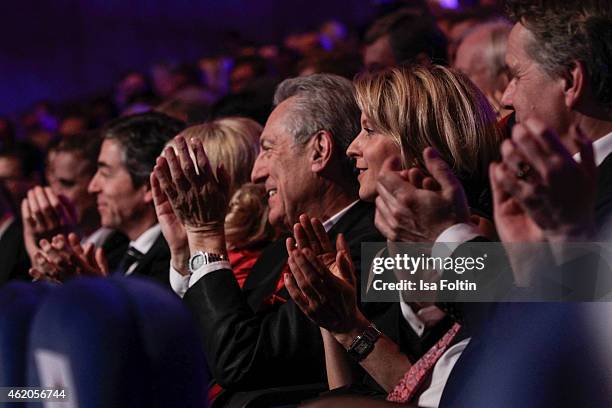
(114, 248)
(155, 264)
(249, 347)
(14, 260)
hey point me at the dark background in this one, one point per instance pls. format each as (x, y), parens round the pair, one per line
(63, 49)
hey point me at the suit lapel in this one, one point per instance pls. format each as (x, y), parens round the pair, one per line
(144, 265)
(360, 213)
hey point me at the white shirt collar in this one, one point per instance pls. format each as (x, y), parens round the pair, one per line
(602, 147)
(331, 221)
(98, 237)
(146, 240)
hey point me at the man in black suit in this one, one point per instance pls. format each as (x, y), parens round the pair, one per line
(259, 338)
(560, 54)
(121, 184)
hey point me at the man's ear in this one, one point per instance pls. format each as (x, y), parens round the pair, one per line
(322, 149)
(148, 193)
(575, 84)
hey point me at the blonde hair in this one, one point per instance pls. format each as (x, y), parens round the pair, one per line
(233, 141)
(246, 222)
(420, 106)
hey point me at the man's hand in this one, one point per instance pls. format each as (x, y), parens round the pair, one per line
(171, 227)
(415, 208)
(512, 222)
(198, 198)
(557, 192)
(328, 300)
(62, 259)
(310, 233)
(45, 215)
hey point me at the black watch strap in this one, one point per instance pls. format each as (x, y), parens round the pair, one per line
(363, 344)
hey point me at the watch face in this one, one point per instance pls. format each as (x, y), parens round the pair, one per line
(196, 262)
(362, 347)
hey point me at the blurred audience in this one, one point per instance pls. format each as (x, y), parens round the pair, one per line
(406, 36)
(7, 133)
(20, 170)
(481, 56)
(246, 69)
(456, 23)
(132, 88)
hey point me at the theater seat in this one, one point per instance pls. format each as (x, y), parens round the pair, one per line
(19, 302)
(118, 342)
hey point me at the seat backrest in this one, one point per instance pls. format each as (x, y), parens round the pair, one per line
(19, 302)
(118, 342)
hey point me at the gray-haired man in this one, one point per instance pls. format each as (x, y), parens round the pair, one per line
(259, 338)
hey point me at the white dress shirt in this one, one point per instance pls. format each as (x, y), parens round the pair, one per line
(180, 283)
(144, 243)
(98, 237)
(430, 398)
(602, 148)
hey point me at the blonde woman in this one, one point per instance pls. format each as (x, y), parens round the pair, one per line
(233, 143)
(408, 109)
(405, 111)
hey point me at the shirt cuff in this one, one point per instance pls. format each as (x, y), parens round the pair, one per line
(451, 238)
(206, 269)
(179, 282)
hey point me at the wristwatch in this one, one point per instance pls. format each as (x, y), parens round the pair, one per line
(363, 344)
(200, 259)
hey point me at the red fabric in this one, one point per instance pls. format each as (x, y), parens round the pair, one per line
(242, 262)
(214, 392)
(406, 389)
(274, 298)
(504, 126)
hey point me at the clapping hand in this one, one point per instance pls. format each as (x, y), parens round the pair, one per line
(44, 215)
(63, 258)
(198, 197)
(413, 207)
(310, 233)
(329, 299)
(171, 227)
(543, 179)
